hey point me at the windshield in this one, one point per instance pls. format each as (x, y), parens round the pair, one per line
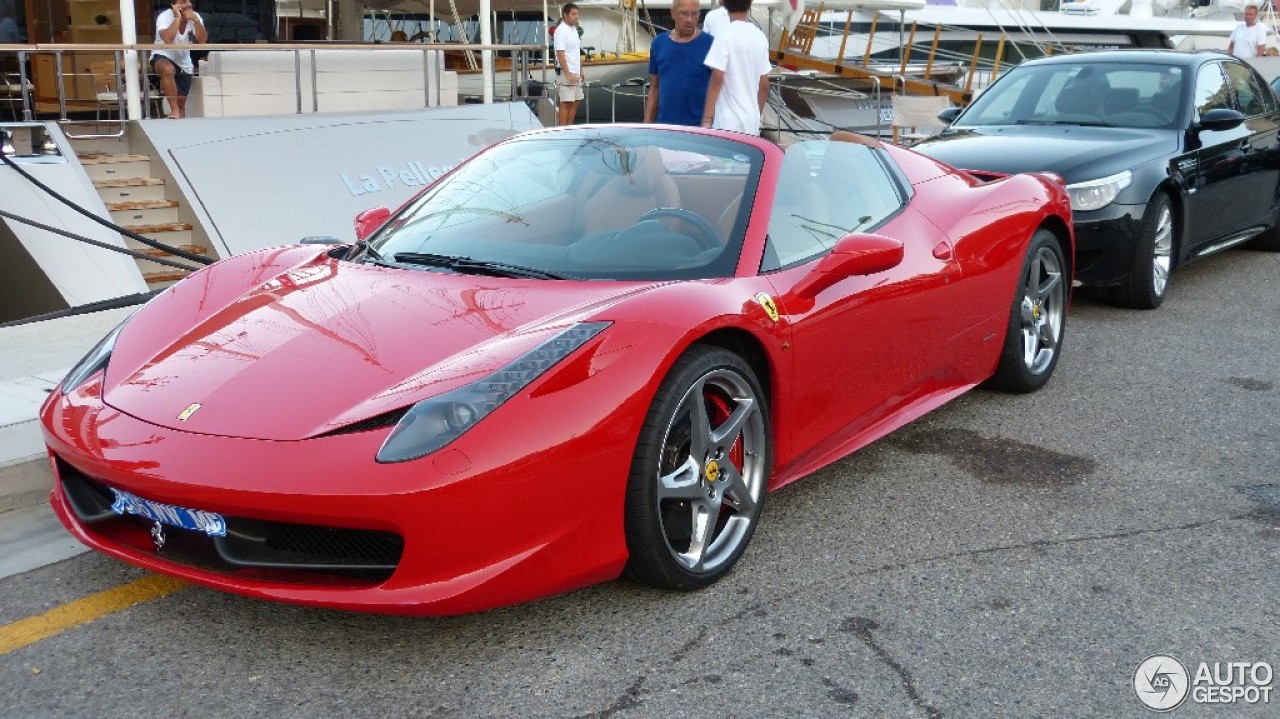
(1118, 94)
(591, 203)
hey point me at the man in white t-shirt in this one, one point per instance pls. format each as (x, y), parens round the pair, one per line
(716, 21)
(739, 62)
(568, 48)
(1249, 39)
(179, 27)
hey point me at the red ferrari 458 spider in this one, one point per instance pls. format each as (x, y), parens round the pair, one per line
(585, 352)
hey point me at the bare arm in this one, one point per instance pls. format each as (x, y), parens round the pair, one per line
(764, 91)
(713, 94)
(569, 77)
(201, 33)
(651, 104)
(168, 34)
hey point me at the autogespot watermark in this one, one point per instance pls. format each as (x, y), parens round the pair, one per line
(1163, 683)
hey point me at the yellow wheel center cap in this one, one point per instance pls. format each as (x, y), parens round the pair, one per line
(712, 470)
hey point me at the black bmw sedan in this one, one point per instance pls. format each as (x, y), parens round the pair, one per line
(1168, 156)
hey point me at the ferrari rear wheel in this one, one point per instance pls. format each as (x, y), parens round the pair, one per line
(1033, 339)
(699, 473)
(1148, 280)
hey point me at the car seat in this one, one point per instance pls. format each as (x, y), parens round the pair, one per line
(640, 186)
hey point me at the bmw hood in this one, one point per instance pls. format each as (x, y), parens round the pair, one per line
(1074, 152)
(285, 351)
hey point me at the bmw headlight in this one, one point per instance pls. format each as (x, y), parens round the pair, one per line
(96, 359)
(1097, 194)
(435, 422)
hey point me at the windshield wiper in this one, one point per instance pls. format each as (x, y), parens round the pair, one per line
(466, 265)
(364, 248)
(1081, 123)
(505, 269)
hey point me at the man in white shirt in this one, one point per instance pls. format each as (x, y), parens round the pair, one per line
(1249, 39)
(716, 21)
(179, 27)
(739, 62)
(568, 48)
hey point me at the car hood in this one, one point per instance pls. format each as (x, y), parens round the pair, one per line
(1073, 152)
(286, 351)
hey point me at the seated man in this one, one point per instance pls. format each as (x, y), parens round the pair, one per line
(178, 26)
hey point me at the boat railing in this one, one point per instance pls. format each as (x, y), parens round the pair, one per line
(73, 82)
(921, 64)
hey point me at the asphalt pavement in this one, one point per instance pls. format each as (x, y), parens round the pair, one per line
(1005, 556)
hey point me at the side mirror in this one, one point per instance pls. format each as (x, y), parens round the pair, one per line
(1221, 119)
(370, 220)
(854, 255)
(949, 115)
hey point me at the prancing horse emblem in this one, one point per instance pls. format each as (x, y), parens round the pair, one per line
(157, 535)
(190, 410)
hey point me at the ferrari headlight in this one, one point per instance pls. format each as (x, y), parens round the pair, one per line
(96, 359)
(435, 422)
(1097, 194)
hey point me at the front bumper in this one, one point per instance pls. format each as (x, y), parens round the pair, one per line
(1106, 241)
(481, 525)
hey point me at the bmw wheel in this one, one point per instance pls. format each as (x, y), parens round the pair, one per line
(699, 473)
(1148, 280)
(1033, 339)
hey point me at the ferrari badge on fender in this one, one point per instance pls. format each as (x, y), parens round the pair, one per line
(769, 307)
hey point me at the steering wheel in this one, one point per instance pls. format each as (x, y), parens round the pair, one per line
(707, 238)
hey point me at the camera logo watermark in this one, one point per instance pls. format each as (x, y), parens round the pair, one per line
(1162, 683)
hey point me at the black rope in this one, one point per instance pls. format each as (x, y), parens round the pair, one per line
(108, 224)
(122, 250)
(99, 306)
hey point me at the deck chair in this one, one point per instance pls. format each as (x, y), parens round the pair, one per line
(916, 112)
(106, 89)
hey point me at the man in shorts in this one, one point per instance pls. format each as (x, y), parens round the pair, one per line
(179, 27)
(568, 48)
(739, 62)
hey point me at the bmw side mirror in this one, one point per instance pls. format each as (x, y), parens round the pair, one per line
(1220, 119)
(854, 255)
(949, 115)
(370, 220)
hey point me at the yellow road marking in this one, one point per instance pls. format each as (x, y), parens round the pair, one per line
(82, 611)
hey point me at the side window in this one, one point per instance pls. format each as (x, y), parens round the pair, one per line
(826, 190)
(1251, 96)
(1212, 90)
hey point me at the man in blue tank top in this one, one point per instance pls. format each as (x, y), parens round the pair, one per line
(677, 76)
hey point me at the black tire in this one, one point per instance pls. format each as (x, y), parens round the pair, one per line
(677, 478)
(1037, 319)
(1153, 259)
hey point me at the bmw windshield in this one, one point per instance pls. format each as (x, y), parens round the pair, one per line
(1097, 94)
(590, 203)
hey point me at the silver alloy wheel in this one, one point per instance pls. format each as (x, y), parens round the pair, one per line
(1162, 252)
(1043, 309)
(711, 471)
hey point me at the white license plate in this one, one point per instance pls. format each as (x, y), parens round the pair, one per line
(196, 520)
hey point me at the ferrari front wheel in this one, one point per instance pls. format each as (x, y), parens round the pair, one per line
(1037, 320)
(699, 473)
